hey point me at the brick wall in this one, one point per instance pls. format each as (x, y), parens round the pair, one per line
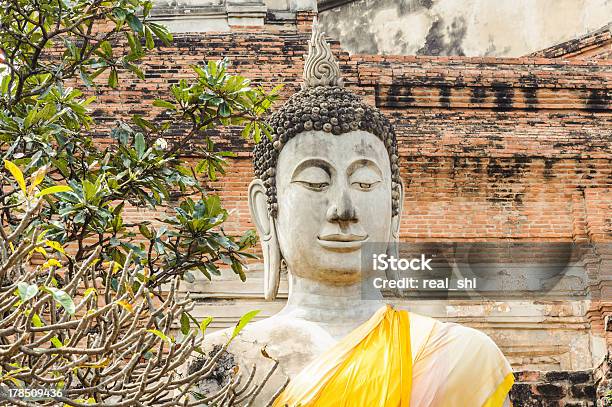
(556, 388)
(594, 45)
(584, 388)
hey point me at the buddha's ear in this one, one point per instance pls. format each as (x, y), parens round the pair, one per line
(393, 247)
(266, 229)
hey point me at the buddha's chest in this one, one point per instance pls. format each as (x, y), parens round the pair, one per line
(277, 352)
(291, 345)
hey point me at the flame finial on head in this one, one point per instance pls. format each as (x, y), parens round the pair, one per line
(321, 67)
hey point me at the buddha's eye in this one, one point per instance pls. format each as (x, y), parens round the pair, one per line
(365, 186)
(313, 178)
(315, 186)
(364, 179)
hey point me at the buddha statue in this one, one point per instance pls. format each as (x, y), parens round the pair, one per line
(326, 183)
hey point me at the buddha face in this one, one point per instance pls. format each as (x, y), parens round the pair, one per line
(334, 194)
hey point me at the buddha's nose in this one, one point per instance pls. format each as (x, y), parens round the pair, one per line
(342, 209)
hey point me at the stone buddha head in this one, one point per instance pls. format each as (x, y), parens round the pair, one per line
(327, 181)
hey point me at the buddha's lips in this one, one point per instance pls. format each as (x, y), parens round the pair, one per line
(342, 237)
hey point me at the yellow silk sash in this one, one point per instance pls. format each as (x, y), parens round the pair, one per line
(372, 366)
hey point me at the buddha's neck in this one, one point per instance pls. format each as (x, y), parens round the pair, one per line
(331, 305)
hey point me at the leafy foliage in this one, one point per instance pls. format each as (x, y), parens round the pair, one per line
(81, 284)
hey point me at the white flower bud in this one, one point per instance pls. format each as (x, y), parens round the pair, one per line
(160, 144)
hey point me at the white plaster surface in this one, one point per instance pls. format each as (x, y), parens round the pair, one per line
(462, 27)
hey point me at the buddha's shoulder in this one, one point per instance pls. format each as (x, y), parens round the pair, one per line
(452, 358)
(275, 329)
(431, 335)
(290, 341)
(260, 345)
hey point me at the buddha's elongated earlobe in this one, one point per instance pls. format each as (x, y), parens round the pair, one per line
(393, 248)
(272, 263)
(266, 228)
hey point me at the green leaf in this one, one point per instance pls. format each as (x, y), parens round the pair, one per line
(139, 144)
(145, 231)
(113, 78)
(161, 32)
(246, 131)
(36, 321)
(63, 298)
(135, 47)
(224, 110)
(136, 70)
(106, 48)
(54, 190)
(146, 8)
(16, 173)
(89, 189)
(257, 134)
(46, 112)
(213, 204)
(144, 124)
(212, 268)
(204, 270)
(204, 324)
(184, 323)
(56, 342)
(26, 291)
(237, 268)
(159, 334)
(201, 166)
(245, 319)
(86, 78)
(134, 23)
(149, 42)
(97, 72)
(119, 13)
(27, 122)
(4, 87)
(164, 104)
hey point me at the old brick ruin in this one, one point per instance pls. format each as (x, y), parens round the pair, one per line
(554, 388)
(491, 149)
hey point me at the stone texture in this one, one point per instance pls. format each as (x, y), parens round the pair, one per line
(468, 27)
(182, 16)
(603, 380)
(550, 391)
(556, 388)
(594, 45)
(587, 388)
